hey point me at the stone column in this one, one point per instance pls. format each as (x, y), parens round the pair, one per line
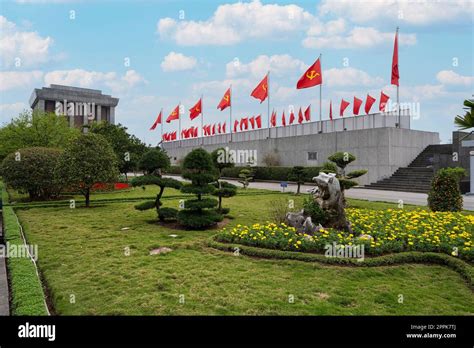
(112, 115)
(98, 114)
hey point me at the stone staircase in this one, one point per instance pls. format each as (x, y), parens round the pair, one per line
(414, 178)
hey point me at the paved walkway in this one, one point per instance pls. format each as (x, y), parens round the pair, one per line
(4, 299)
(361, 193)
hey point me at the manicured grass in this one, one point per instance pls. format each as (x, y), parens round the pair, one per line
(83, 252)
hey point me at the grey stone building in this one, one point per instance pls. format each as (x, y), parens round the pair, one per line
(80, 105)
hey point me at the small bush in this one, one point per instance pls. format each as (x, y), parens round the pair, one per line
(191, 219)
(167, 214)
(445, 194)
(312, 209)
(31, 170)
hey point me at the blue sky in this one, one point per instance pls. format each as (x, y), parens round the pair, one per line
(178, 50)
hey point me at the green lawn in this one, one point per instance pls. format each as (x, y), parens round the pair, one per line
(82, 252)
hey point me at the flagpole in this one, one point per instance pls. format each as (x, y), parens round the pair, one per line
(321, 97)
(398, 84)
(230, 114)
(268, 104)
(179, 118)
(202, 121)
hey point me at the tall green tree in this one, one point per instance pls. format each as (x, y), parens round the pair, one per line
(35, 129)
(466, 121)
(127, 147)
(87, 160)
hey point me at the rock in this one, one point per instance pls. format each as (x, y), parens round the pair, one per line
(161, 250)
(366, 237)
(173, 235)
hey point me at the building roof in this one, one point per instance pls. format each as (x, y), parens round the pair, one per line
(72, 94)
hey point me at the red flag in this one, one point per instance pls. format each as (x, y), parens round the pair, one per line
(213, 129)
(223, 128)
(307, 113)
(236, 123)
(383, 101)
(246, 123)
(300, 116)
(283, 120)
(330, 110)
(258, 121)
(208, 129)
(356, 106)
(344, 105)
(204, 130)
(292, 117)
(395, 73)
(219, 128)
(312, 77)
(252, 121)
(368, 103)
(195, 132)
(225, 102)
(273, 121)
(164, 137)
(261, 91)
(174, 115)
(173, 136)
(196, 110)
(157, 121)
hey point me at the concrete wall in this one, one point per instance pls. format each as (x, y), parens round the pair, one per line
(380, 150)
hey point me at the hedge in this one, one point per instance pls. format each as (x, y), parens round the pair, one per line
(460, 266)
(27, 297)
(260, 173)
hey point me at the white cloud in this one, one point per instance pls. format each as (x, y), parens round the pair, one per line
(87, 79)
(449, 77)
(419, 12)
(27, 48)
(178, 62)
(349, 77)
(19, 79)
(233, 23)
(358, 37)
(277, 64)
(10, 110)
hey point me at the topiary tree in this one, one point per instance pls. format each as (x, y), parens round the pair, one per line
(342, 160)
(87, 160)
(445, 194)
(162, 183)
(245, 176)
(297, 174)
(31, 170)
(224, 190)
(199, 169)
(153, 161)
(222, 160)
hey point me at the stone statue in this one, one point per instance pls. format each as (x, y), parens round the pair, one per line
(329, 197)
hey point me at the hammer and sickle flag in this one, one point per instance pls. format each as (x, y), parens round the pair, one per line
(196, 110)
(261, 91)
(174, 115)
(225, 102)
(312, 77)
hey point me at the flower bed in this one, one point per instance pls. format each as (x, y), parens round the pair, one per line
(391, 231)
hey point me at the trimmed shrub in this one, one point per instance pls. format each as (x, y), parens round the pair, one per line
(271, 173)
(167, 214)
(145, 205)
(199, 169)
(445, 194)
(297, 175)
(224, 190)
(31, 170)
(173, 170)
